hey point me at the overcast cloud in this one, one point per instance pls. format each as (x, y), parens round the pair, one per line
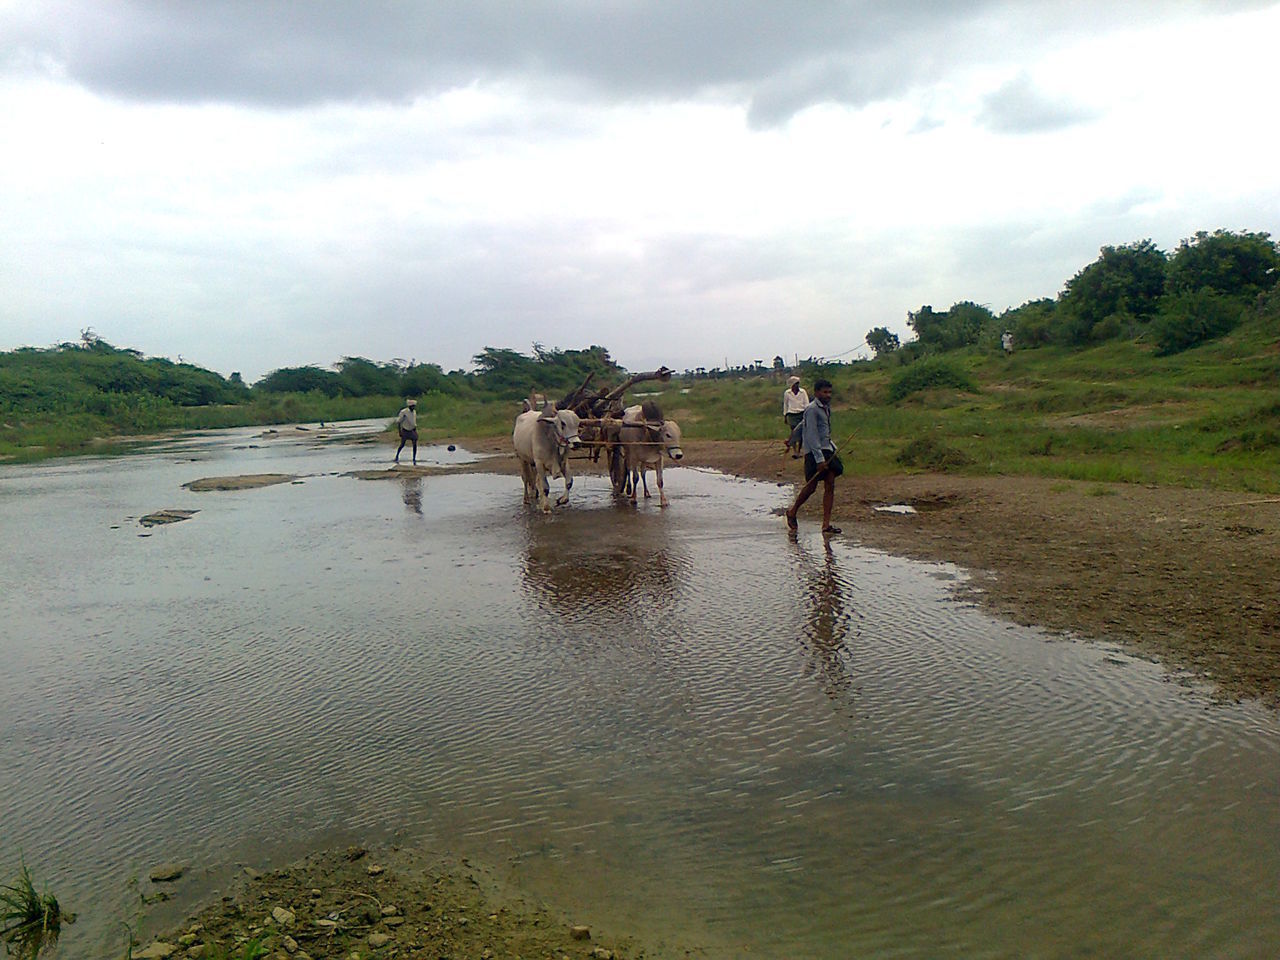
(257, 184)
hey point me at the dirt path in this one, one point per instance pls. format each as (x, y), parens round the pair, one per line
(1191, 577)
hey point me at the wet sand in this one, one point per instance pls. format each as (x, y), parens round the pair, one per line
(248, 481)
(1190, 577)
(388, 902)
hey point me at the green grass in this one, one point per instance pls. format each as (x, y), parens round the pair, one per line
(29, 921)
(1115, 412)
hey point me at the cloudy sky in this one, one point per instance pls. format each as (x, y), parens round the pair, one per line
(265, 183)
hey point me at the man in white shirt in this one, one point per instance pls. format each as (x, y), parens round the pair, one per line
(407, 421)
(794, 400)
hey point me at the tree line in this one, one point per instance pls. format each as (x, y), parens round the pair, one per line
(95, 377)
(1199, 292)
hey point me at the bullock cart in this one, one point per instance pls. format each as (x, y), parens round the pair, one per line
(600, 414)
(601, 425)
(633, 439)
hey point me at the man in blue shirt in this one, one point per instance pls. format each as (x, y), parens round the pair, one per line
(820, 459)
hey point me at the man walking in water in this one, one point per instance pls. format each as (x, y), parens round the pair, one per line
(407, 421)
(820, 459)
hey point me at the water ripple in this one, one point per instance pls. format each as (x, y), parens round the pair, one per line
(677, 718)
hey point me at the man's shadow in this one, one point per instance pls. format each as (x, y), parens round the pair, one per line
(411, 493)
(828, 622)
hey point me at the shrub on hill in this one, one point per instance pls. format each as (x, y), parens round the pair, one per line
(927, 374)
(94, 376)
(1190, 319)
(930, 454)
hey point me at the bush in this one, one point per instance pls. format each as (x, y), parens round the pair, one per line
(927, 374)
(929, 454)
(1190, 319)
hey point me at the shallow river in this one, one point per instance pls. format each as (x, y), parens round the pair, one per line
(675, 724)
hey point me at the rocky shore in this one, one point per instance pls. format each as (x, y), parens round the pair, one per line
(355, 904)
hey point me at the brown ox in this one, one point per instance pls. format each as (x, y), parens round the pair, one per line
(644, 438)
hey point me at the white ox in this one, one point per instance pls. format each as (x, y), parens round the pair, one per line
(644, 443)
(542, 441)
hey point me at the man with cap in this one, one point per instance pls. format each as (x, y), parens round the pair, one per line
(407, 421)
(794, 400)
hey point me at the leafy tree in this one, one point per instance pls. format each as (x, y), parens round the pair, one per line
(882, 341)
(1123, 285)
(1234, 264)
(508, 373)
(301, 380)
(1032, 323)
(424, 378)
(958, 327)
(94, 376)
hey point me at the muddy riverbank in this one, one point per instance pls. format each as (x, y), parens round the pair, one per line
(1188, 576)
(389, 902)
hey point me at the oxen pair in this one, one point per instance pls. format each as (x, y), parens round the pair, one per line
(543, 439)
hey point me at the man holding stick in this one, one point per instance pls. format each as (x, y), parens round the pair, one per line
(821, 463)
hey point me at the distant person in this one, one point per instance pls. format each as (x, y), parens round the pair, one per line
(820, 459)
(794, 400)
(407, 421)
(1006, 341)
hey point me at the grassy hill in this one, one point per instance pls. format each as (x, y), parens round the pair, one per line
(1118, 411)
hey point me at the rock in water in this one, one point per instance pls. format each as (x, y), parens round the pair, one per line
(166, 872)
(166, 516)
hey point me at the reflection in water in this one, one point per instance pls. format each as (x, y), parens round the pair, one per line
(579, 565)
(630, 710)
(411, 493)
(827, 618)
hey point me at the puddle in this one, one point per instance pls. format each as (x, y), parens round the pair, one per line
(677, 724)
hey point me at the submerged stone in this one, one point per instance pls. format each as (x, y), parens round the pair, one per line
(166, 516)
